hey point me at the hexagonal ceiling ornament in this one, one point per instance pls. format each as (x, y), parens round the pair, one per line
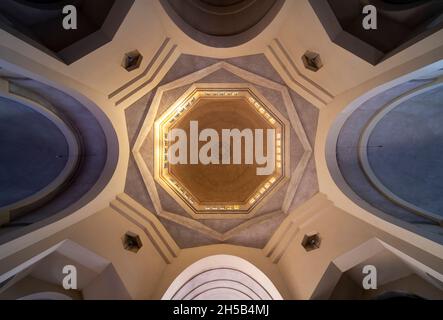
(189, 185)
(221, 188)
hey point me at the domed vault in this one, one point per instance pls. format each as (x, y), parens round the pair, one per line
(203, 204)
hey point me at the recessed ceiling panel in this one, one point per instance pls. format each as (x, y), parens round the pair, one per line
(40, 24)
(225, 186)
(399, 24)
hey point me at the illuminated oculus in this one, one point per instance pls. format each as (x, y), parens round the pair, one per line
(220, 151)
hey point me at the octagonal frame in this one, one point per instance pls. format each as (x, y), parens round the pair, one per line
(259, 104)
(148, 124)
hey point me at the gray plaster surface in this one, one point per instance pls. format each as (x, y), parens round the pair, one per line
(406, 151)
(348, 158)
(33, 152)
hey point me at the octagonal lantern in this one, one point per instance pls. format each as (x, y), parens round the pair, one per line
(229, 184)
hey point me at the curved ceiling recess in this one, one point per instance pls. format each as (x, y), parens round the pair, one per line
(39, 23)
(69, 151)
(219, 23)
(389, 151)
(29, 130)
(401, 23)
(408, 165)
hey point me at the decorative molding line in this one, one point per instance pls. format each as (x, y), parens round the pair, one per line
(288, 230)
(363, 151)
(136, 88)
(145, 72)
(199, 284)
(124, 204)
(299, 171)
(148, 222)
(297, 81)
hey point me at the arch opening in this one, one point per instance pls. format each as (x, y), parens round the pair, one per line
(222, 277)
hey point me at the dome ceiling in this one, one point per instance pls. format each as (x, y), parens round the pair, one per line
(220, 23)
(215, 188)
(221, 203)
